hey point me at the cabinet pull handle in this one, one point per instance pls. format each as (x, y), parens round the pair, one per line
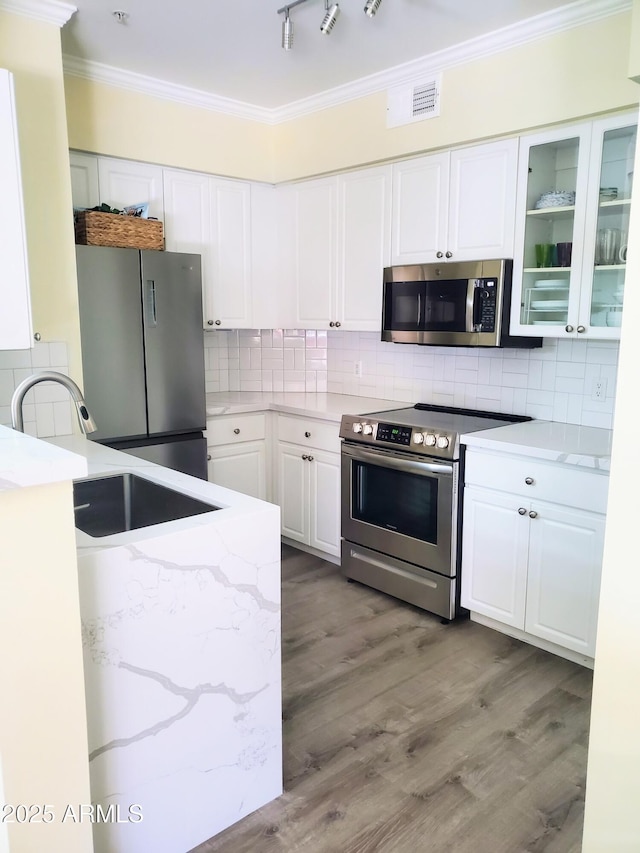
(568, 328)
(237, 431)
(307, 435)
(304, 456)
(448, 254)
(439, 255)
(529, 481)
(522, 511)
(218, 322)
(338, 324)
(310, 458)
(209, 322)
(533, 514)
(582, 329)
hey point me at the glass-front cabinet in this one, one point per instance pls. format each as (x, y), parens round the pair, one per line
(574, 198)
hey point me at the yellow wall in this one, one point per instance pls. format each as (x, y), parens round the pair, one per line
(576, 73)
(634, 43)
(107, 120)
(613, 781)
(31, 50)
(43, 726)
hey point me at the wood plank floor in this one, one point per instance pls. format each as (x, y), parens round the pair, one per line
(402, 735)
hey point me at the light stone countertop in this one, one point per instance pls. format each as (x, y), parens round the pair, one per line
(570, 444)
(181, 627)
(328, 407)
(99, 459)
(28, 461)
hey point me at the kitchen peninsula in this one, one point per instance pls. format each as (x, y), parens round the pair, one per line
(181, 642)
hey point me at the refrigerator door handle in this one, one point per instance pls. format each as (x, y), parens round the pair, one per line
(152, 316)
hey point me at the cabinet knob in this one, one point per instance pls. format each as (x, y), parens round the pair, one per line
(310, 458)
(332, 324)
(448, 254)
(37, 336)
(304, 456)
(307, 435)
(338, 324)
(533, 514)
(522, 511)
(439, 255)
(529, 481)
(236, 431)
(568, 328)
(218, 322)
(582, 329)
(208, 457)
(209, 322)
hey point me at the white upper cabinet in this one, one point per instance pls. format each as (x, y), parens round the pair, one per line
(482, 201)
(210, 216)
(574, 200)
(123, 182)
(364, 246)
(228, 291)
(85, 190)
(15, 316)
(455, 206)
(309, 243)
(420, 205)
(334, 236)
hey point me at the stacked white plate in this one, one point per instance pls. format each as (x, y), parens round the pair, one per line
(556, 198)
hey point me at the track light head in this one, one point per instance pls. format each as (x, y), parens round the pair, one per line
(371, 7)
(287, 32)
(330, 18)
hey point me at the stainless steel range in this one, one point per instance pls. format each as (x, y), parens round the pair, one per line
(402, 500)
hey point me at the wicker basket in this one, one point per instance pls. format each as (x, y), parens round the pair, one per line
(94, 228)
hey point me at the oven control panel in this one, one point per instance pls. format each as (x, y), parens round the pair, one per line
(412, 439)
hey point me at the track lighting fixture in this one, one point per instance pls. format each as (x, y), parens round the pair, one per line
(371, 7)
(331, 14)
(287, 31)
(330, 18)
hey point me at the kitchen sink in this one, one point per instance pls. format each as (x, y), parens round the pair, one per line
(115, 503)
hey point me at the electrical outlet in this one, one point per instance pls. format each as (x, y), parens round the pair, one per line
(599, 388)
(358, 368)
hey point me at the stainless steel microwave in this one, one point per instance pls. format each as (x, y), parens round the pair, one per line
(463, 304)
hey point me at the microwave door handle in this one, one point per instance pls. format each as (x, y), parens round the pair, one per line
(418, 318)
(470, 314)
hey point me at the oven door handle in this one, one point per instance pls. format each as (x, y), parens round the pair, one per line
(396, 463)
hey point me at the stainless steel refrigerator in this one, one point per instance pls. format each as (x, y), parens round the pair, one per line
(143, 353)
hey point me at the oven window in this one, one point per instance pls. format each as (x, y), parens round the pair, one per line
(395, 500)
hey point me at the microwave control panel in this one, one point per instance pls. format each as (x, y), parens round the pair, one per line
(486, 297)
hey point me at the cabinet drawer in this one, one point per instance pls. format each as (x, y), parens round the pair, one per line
(319, 434)
(231, 429)
(558, 484)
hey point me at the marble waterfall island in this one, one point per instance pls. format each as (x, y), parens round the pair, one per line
(181, 637)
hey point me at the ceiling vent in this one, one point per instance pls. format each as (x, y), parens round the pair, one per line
(414, 102)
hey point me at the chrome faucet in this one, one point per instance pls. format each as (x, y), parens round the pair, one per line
(87, 423)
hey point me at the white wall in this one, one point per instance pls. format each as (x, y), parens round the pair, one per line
(554, 382)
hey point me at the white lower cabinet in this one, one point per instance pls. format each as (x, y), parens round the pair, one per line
(530, 563)
(237, 453)
(308, 482)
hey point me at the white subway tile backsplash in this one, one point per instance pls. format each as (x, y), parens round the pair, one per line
(47, 409)
(551, 382)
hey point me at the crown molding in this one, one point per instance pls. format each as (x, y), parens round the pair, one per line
(49, 11)
(99, 73)
(532, 29)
